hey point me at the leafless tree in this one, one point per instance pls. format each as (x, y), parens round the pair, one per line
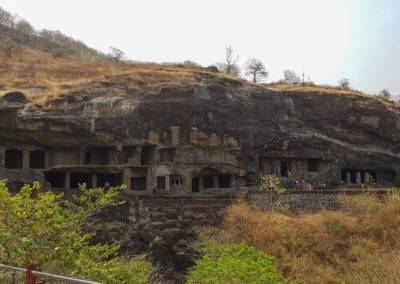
(9, 47)
(255, 69)
(117, 54)
(344, 83)
(7, 19)
(385, 93)
(290, 77)
(229, 66)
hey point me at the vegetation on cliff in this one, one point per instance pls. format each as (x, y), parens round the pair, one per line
(44, 229)
(358, 244)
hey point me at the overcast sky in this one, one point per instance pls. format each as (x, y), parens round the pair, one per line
(328, 39)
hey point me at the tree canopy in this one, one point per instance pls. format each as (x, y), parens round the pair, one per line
(45, 229)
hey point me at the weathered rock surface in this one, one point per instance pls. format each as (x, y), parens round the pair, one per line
(215, 125)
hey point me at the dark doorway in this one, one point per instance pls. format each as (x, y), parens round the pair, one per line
(36, 159)
(161, 183)
(224, 181)
(208, 182)
(13, 159)
(76, 178)
(167, 155)
(147, 155)
(284, 168)
(138, 183)
(195, 184)
(56, 179)
(313, 165)
(112, 179)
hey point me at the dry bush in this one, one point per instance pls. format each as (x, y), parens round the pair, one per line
(359, 244)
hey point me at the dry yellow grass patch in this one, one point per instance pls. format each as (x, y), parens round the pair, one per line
(359, 244)
(34, 68)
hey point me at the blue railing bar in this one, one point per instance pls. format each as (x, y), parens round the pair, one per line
(12, 268)
(51, 276)
(69, 279)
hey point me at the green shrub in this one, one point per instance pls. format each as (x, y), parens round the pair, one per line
(44, 229)
(236, 264)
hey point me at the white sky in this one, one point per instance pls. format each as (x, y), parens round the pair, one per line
(328, 39)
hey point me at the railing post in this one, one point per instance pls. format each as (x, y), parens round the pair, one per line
(30, 277)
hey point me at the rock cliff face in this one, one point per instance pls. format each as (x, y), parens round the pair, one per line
(213, 133)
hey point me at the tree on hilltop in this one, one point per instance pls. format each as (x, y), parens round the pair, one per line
(117, 54)
(255, 69)
(344, 83)
(385, 93)
(229, 66)
(290, 77)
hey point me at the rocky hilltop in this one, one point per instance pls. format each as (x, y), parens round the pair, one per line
(211, 132)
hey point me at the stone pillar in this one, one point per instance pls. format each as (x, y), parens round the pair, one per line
(126, 177)
(94, 181)
(348, 177)
(2, 157)
(358, 178)
(167, 182)
(366, 178)
(25, 159)
(67, 180)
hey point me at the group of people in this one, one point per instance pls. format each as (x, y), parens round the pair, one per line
(106, 185)
(308, 186)
(300, 184)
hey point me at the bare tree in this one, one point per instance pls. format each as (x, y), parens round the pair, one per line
(9, 47)
(6, 18)
(385, 93)
(290, 77)
(230, 65)
(344, 83)
(255, 69)
(117, 54)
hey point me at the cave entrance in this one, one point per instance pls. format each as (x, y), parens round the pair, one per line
(138, 183)
(147, 155)
(97, 156)
(161, 182)
(365, 176)
(36, 159)
(208, 182)
(224, 181)
(112, 179)
(167, 155)
(195, 184)
(13, 159)
(284, 168)
(76, 178)
(56, 179)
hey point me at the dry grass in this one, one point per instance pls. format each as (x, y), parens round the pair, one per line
(360, 244)
(34, 68)
(38, 69)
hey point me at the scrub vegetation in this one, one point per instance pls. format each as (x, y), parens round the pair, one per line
(358, 244)
(43, 228)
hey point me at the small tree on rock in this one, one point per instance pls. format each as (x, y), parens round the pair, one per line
(117, 54)
(255, 70)
(385, 93)
(344, 84)
(230, 65)
(290, 77)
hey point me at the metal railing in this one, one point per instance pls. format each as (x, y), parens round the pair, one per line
(31, 274)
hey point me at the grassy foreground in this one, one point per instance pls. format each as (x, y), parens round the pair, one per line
(359, 244)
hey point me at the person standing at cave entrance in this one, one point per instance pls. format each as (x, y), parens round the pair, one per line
(107, 186)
